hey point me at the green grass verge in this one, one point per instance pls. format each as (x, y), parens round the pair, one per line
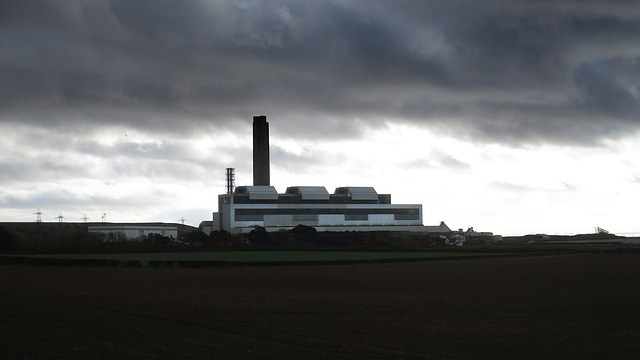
(256, 256)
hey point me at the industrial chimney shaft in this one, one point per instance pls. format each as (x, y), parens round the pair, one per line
(261, 172)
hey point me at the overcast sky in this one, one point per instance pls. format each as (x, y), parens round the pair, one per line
(511, 116)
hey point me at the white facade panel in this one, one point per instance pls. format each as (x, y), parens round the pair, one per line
(253, 224)
(381, 219)
(327, 220)
(278, 220)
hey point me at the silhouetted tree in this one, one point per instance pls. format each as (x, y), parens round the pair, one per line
(259, 236)
(197, 238)
(223, 238)
(303, 234)
(156, 240)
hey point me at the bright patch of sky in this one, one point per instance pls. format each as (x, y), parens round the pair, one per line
(507, 190)
(530, 189)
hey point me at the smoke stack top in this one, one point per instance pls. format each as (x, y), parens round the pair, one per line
(261, 172)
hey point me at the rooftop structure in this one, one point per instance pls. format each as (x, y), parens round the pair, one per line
(308, 192)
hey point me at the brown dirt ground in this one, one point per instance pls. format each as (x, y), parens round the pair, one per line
(564, 307)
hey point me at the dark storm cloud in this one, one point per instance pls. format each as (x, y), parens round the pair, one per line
(300, 162)
(506, 71)
(16, 173)
(65, 199)
(48, 156)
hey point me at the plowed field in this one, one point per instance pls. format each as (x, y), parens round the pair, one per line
(564, 307)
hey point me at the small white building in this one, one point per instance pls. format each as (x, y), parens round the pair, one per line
(135, 232)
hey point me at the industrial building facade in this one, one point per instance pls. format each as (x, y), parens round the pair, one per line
(347, 209)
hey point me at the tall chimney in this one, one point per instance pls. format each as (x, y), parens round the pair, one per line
(261, 174)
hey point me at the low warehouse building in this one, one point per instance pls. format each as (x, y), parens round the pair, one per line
(134, 232)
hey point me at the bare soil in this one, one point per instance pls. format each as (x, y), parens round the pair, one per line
(563, 307)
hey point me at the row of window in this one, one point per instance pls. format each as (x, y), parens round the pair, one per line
(285, 199)
(328, 211)
(312, 214)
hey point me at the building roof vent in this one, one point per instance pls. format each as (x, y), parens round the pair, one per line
(358, 192)
(309, 192)
(258, 192)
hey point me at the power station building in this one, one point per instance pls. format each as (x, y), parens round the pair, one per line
(349, 208)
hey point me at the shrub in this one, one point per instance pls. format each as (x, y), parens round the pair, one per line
(161, 263)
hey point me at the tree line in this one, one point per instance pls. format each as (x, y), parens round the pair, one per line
(75, 237)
